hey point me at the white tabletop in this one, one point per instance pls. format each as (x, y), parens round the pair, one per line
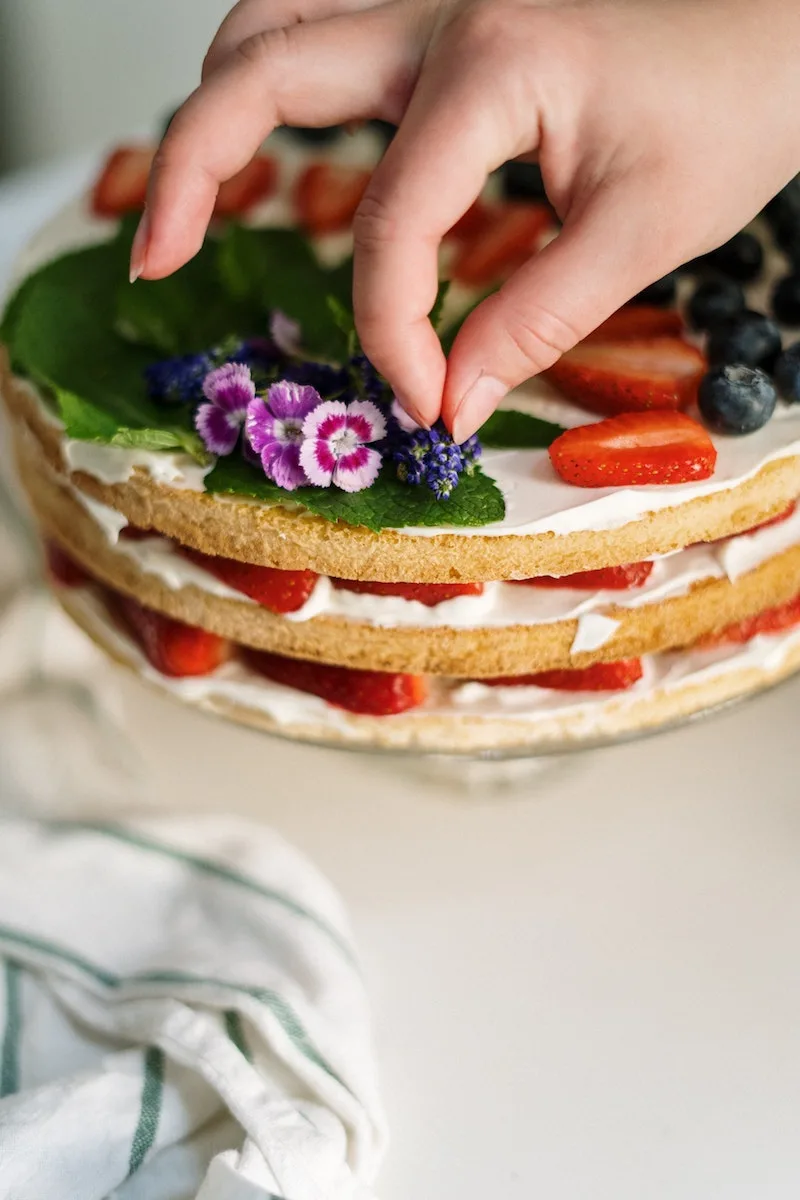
(585, 989)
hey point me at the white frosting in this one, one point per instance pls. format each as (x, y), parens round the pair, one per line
(501, 605)
(594, 630)
(537, 501)
(664, 673)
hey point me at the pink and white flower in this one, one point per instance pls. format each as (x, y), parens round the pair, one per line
(274, 429)
(285, 333)
(336, 444)
(228, 391)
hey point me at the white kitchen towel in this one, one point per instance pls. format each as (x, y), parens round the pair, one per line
(181, 1016)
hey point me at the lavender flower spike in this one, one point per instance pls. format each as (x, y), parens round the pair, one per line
(228, 391)
(274, 429)
(336, 446)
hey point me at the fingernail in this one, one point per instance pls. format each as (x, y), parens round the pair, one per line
(477, 405)
(139, 248)
(413, 412)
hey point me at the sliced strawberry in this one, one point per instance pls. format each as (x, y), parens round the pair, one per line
(430, 594)
(477, 218)
(512, 235)
(279, 591)
(170, 646)
(637, 321)
(611, 579)
(326, 196)
(634, 450)
(771, 620)
(63, 568)
(781, 517)
(599, 677)
(255, 183)
(374, 693)
(122, 185)
(616, 377)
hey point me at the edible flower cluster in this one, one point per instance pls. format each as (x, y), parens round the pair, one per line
(305, 423)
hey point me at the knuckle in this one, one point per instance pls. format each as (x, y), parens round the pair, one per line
(540, 336)
(273, 47)
(374, 225)
(485, 26)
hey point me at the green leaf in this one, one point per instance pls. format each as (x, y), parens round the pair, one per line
(87, 423)
(512, 430)
(186, 313)
(435, 315)
(276, 268)
(388, 504)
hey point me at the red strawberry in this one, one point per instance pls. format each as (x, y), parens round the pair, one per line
(771, 620)
(374, 693)
(613, 579)
(599, 677)
(63, 568)
(279, 591)
(633, 450)
(637, 321)
(425, 593)
(781, 517)
(615, 377)
(173, 648)
(122, 185)
(255, 183)
(474, 221)
(326, 196)
(512, 235)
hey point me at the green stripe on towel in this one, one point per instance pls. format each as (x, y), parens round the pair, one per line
(149, 1110)
(235, 1031)
(9, 1055)
(215, 869)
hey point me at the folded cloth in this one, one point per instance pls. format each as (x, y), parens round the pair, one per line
(181, 1016)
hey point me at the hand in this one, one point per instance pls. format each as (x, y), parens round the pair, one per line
(662, 127)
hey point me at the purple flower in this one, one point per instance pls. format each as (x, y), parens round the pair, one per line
(178, 380)
(285, 333)
(228, 390)
(274, 429)
(335, 449)
(430, 456)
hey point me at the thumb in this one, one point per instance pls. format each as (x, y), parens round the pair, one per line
(603, 256)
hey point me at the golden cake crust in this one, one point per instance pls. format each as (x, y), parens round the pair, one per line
(461, 733)
(469, 653)
(294, 540)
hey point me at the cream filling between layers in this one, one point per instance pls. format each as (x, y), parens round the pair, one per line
(537, 501)
(501, 604)
(582, 713)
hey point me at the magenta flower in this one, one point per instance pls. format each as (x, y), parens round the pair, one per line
(274, 429)
(228, 390)
(336, 444)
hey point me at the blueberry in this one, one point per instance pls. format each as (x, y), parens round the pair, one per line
(742, 258)
(736, 399)
(784, 209)
(751, 339)
(661, 294)
(522, 181)
(786, 300)
(787, 374)
(315, 137)
(714, 301)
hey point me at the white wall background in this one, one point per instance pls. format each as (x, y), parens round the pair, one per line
(81, 73)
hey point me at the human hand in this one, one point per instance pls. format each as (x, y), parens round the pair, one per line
(661, 129)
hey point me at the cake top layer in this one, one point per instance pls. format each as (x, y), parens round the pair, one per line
(92, 346)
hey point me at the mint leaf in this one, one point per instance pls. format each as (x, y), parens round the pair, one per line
(512, 430)
(87, 423)
(388, 504)
(186, 313)
(276, 268)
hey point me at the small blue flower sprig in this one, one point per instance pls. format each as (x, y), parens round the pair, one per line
(305, 423)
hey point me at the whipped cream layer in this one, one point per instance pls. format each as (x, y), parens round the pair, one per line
(537, 500)
(580, 715)
(501, 604)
